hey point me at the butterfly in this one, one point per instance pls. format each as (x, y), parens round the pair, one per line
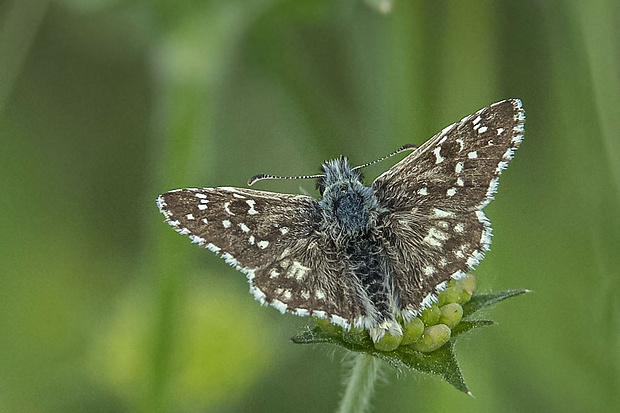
(362, 256)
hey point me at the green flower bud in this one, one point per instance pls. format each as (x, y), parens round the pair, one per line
(433, 338)
(412, 331)
(467, 283)
(450, 295)
(464, 297)
(430, 316)
(388, 342)
(451, 314)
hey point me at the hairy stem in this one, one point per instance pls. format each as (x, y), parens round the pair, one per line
(360, 385)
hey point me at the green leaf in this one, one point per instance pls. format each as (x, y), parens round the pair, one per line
(441, 362)
(483, 300)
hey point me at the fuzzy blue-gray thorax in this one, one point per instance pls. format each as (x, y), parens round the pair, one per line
(349, 207)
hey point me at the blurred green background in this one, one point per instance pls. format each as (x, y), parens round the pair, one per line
(104, 104)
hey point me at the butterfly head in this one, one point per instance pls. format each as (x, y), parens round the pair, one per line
(346, 201)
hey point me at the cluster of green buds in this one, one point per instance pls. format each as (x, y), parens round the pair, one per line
(432, 328)
(426, 342)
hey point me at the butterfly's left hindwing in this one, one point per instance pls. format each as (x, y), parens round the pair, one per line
(272, 239)
(436, 228)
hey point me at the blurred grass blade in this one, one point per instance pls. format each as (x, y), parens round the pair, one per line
(382, 6)
(17, 31)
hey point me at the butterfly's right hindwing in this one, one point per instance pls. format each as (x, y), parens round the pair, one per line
(273, 239)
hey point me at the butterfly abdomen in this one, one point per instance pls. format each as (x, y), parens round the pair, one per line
(368, 267)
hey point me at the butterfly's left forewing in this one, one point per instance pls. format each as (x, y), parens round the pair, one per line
(272, 239)
(435, 225)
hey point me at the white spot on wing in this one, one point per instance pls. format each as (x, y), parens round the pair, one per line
(437, 152)
(429, 270)
(423, 191)
(284, 230)
(459, 227)
(459, 167)
(472, 154)
(251, 240)
(483, 129)
(244, 227)
(460, 182)
(273, 274)
(451, 192)
(262, 244)
(251, 203)
(461, 143)
(200, 195)
(226, 223)
(442, 214)
(500, 131)
(202, 207)
(297, 270)
(319, 294)
(435, 233)
(189, 217)
(477, 120)
(226, 208)
(236, 195)
(433, 241)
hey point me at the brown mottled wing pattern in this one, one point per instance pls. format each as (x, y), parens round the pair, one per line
(272, 239)
(436, 228)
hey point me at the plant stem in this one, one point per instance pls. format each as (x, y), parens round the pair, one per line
(360, 385)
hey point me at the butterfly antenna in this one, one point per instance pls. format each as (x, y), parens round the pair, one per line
(261, 177)
(407, 147)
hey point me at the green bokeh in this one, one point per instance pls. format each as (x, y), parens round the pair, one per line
(104, 104)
